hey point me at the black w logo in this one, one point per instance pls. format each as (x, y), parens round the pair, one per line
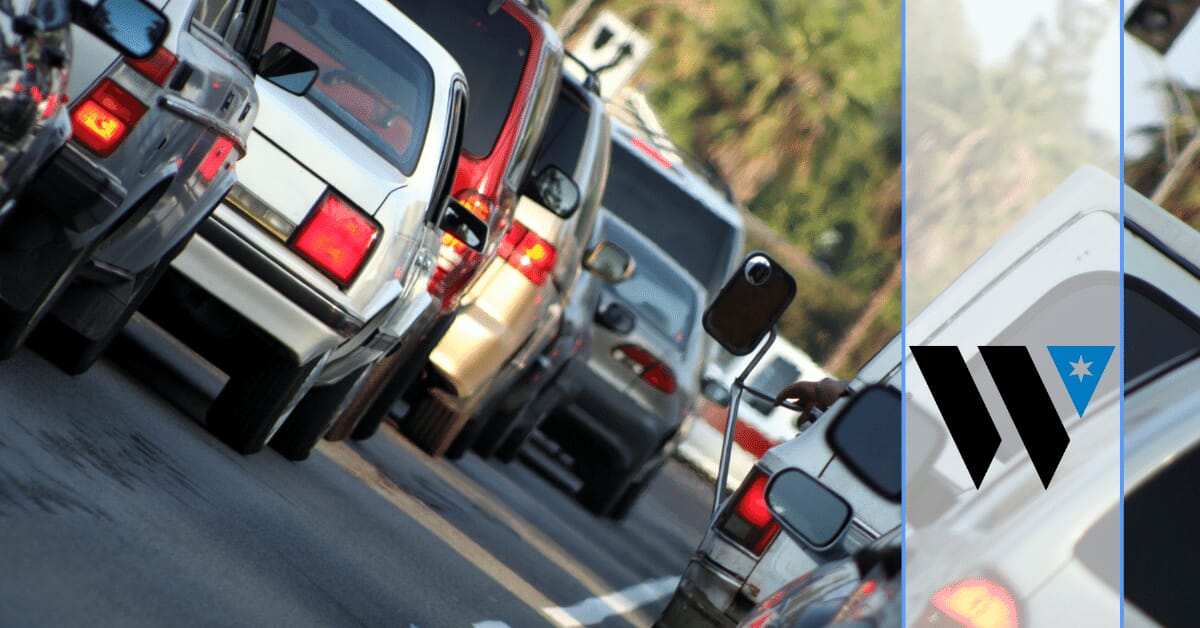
(967, 417)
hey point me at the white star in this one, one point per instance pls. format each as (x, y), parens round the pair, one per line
(1080, 368)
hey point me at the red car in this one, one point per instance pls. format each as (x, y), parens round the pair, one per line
(513, 59)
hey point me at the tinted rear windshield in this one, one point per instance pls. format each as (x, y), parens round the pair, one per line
(371, 81)
(681, 225)
(492, 50)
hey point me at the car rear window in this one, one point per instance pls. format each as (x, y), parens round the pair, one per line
(492, 50)
(372, 82)
(655, 290)
(1157, 328)
(681, 225)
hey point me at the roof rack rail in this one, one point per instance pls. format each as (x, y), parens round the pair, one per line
(592, 82)
(539, 6)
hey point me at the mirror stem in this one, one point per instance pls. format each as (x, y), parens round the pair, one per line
(735, 397)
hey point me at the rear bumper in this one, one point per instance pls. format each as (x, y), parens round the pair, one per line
(598, 420)
(487, 332)
(691, 604)
(252, 284)
(402, 325)
(80, 193)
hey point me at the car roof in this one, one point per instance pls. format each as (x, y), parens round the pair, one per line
(689, 180)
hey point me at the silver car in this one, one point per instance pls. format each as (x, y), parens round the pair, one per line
(152, 153)
(311, 268)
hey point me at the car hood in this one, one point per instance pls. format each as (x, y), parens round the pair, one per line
(324, 147)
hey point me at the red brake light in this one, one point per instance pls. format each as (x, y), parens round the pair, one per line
(157, 67)
(746, 519)
(649, 368)
(528, 253)
(652, 152)
(337, 237)
(215, 158)
(977, 604)
(103, 117)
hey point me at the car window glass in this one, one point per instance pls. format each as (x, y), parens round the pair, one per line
(546, 86)
(216, 15)
(771, 378)
(684, 227)
(565, 135)
(1160, 518)
(1157, 328)
(371, 81)
(655, 290)
(492, 50)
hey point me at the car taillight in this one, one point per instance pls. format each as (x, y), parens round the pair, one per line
(157, 67)
(528, 253)
(457, 262)
(103, 118)
(337, 237)
(649, 368)
(747, 520)
(977, 603)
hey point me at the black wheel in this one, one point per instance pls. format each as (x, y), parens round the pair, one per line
(313, 416)
(632, 493)
(432, 425)
(105, 309)
(37, 262)
(602, 491)
(256, 398)
(466, 439)
(508, 450)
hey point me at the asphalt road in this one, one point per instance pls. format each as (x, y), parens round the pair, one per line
(118, 508)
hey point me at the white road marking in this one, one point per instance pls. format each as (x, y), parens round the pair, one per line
(597, 609)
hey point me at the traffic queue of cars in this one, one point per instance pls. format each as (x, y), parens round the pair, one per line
(356, 210)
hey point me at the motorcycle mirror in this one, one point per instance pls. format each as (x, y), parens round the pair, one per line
(749, 304)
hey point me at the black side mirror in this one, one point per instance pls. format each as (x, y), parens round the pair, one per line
(553, 189)
(616, 317)
(809, 511)
(750, 304)
(866, 436)
(134, 28)
(459, 222)
(282, 66)
(609, 262)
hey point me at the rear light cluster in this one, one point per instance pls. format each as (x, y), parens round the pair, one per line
(457, 262)
(975, 603)
(103, 118)
(528, 253)
(336, 237)
(746, 519)
(649, 368)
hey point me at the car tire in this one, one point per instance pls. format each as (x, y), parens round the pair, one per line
(314, 415)
(37, 258)
(432, 425)
(252, 405)
(631, 495)
(467, 437)
(602, 491)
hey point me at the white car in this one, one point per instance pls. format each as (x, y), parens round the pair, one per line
(315, 262)
(761, 425)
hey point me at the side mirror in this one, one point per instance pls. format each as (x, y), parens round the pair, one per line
(616, 317)
(808, 510)
(716, 392)
(609, 262)
(553, 189)
(282, 66)
(135, 28)
(750, 304)
(459, 222)
(866, 436)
